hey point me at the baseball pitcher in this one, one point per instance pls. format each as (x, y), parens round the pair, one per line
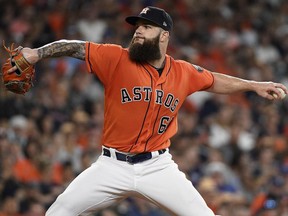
(144, 90)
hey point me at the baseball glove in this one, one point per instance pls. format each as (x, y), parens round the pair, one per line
(21, 80)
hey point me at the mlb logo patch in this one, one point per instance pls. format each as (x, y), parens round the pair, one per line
(198, 68)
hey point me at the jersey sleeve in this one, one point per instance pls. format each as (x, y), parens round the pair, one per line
(102, 59)
(200, 78)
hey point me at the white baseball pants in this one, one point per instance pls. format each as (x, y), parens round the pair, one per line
(109, 180)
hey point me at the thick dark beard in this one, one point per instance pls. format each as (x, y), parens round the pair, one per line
(148, 51)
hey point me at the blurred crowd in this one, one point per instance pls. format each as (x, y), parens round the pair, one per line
(232, 147)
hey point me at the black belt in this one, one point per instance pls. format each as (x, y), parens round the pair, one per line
(134, 158)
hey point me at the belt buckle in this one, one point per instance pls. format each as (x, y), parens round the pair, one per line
(129, 159)
(138, 158)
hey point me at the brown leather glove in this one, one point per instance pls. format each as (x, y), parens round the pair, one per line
(21, 80)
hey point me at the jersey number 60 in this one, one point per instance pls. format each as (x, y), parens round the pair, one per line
(164, 122)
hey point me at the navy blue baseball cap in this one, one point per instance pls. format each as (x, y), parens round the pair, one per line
(157, 16)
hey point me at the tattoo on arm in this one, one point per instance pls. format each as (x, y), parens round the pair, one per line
(72, 48)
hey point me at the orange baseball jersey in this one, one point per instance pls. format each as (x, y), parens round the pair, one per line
(141, 107)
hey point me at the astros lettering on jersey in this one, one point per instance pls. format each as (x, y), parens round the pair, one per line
(151, 101)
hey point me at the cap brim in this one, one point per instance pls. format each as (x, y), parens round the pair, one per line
(132, 20)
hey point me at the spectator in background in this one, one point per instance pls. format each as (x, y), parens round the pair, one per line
(91, 26)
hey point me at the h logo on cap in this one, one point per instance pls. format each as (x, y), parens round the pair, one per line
(144, 11)
(154, 15)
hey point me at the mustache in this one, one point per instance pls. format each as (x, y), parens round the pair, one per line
(137, 37)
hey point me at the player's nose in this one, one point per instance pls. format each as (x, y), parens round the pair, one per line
(137, 34)
(139, 30)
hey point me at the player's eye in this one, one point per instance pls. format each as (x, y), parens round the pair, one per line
(147, 26)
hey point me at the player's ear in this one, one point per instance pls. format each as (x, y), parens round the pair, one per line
(164, 36)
